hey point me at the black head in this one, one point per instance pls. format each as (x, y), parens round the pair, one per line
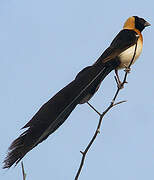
(140, 23)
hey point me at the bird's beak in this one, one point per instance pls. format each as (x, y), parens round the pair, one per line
(147, 24)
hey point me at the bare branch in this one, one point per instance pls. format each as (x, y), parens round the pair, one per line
(94, 109)
(23, 171)
(112, 104)
(119, 102)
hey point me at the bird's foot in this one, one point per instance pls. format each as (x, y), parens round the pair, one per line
(120, 85)
(127, 69)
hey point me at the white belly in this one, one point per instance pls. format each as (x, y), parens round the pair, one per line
(127, 55)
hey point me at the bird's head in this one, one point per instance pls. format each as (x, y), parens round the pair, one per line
(136, 22)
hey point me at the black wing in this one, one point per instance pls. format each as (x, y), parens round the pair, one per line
(125, 39)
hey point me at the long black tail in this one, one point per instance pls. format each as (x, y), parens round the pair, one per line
(53, 113)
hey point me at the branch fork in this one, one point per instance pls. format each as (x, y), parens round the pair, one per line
(120, 85)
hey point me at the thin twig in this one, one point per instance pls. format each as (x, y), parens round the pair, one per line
(112, 104)
(94, 109)
(23, 171)
(119, 102)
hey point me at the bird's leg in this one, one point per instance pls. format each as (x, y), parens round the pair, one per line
(119, 83)
(117, 76)
(127, 69)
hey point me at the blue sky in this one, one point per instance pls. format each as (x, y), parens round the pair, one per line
(43, 45)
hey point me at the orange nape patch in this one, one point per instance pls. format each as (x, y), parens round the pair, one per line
(130, 23)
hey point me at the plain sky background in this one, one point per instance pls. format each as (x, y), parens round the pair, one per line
(43, 45)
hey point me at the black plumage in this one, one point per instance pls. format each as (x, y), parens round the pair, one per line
(54, 112)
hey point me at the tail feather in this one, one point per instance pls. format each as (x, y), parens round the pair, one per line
(17, 150)
(53, 113)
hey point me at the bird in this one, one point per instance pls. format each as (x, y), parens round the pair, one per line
(53, 113)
